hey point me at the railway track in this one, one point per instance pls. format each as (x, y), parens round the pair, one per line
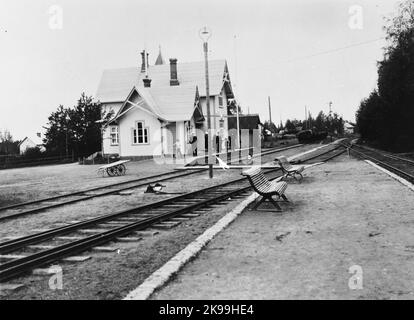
(35, 206)
(20, 255)
(334, 152)
(30, 207)
(71, 239)
(401, 166)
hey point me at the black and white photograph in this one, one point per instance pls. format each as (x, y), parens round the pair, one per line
(204, 156)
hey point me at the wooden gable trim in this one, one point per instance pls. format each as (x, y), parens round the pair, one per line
(198, 112)
(227, 83)
(123, 110)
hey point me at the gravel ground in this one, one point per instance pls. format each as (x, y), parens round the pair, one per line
(25, 184)
(345, 214)
(113, 275)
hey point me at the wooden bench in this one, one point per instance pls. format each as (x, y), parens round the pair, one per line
(267, 189)
(288, 169)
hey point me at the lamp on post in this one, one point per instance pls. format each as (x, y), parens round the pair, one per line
(67, 118)
(205, 34)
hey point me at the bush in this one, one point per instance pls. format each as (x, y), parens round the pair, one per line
(33, 153)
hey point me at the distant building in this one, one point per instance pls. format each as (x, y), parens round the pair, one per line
(31, 142)
(247, 123)
(162, 107)
(349, 127)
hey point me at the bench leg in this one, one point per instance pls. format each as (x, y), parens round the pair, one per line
(263, 199)
(258, 203)
(285, 176)
(299, 174)
(284, 198)
(293, 175)
(276, 205)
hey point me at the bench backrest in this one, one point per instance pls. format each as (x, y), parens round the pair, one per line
(257, 179)
(284, 163)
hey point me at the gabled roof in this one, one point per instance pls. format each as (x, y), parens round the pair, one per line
(116, 84)
(176, 103)
(25, 138)
(34, 139)
(246, 121)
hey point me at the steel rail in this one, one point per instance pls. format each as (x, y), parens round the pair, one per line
(316, 156)
(87, 197)
(392, 156)
(86, 191)
(400, 172)
(266, 152)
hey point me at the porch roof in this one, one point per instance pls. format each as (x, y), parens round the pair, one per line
(246, 121)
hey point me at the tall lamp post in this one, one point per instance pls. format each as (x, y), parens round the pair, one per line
(205, 34)
(67, 118)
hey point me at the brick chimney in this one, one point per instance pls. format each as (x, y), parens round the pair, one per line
(173, 73)
(143, 53)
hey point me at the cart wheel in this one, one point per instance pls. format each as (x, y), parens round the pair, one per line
(118, 171)
(111, 171)
(121, 170)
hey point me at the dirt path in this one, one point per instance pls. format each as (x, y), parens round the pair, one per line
(346, 214)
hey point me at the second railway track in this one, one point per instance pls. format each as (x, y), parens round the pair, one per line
(401, 166)
(30, 207)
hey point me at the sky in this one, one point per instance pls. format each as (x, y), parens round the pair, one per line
(298, 52)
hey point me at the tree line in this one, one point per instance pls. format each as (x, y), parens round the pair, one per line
(7, 144)
(385, 117)
(70, 132)
(75, 132)
(332, 123)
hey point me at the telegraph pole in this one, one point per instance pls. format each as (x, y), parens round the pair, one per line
(205, 34)
(306, 117)
(67, 118)
(270, 110)
(238, 126)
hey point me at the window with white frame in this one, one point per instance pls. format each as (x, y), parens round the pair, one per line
(114, 135)
(140, 133)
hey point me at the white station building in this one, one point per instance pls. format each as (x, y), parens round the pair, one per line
(158, 108)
